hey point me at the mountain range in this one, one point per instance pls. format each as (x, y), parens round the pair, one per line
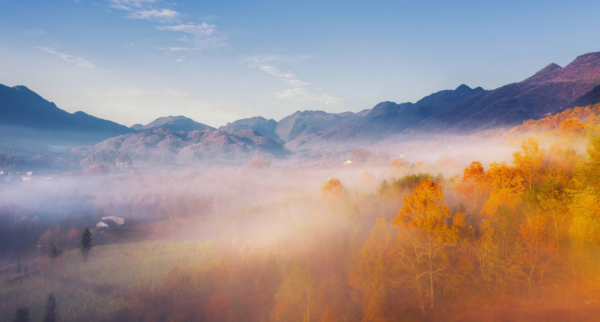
(26, 115)
(464, 110)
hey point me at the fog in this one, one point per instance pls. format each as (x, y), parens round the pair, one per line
(268, 239)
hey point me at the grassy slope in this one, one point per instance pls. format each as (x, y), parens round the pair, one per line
(101, 287)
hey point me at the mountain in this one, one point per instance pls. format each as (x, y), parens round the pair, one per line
(259, 124)
(161, 145)
(301, 124)
(173, 123)
(383, 120)
(548, 91)
(28, 116)
(590, 98)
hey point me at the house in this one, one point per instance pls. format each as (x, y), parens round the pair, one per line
(117, 220)
(101, 225)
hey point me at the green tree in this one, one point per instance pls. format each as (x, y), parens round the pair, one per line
(22, 315)
(50, 315)
(86, 243)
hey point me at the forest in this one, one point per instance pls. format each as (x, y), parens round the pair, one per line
(517, 239)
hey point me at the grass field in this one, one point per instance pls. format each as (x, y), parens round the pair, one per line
(100, 287)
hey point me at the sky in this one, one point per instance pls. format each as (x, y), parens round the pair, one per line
(132, 61)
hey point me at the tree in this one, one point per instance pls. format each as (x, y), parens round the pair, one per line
(22, 315)
(372, 273)
(332, 192)
(587, 173)
(86, 243)
(529, 161)
(293, 300)
(572, 126)
(50, 314)
(54, 252)
(472, 186)
(427, 230)
(506, 186)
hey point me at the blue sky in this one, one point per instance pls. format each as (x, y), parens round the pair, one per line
(132, 61)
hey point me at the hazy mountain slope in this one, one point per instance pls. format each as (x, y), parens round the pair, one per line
(385, 119)
(548, 91)
(175, 124)
(590, 98)
(165, 146)
(305, 123)
(259, 124)
(26, 115)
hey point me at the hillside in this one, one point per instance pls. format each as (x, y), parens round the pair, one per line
(547, 92)
(173, 123)
(28, 116)
(259, 124)
(165, 146)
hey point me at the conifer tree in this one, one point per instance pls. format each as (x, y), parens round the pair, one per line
(86, 243)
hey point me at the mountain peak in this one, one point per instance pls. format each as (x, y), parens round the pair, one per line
(462, 87)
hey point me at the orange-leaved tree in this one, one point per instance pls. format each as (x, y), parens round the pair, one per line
(372, 273)
(506, 186)
(472, 187)
(529, 161)
(427, 231)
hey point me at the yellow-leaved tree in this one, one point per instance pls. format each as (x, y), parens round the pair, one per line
(427, 231)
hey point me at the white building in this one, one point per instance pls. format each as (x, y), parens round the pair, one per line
(118, 220)
(101, 225)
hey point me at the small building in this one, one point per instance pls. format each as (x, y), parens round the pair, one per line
(117, 220)
(101, 225)
(347, 162)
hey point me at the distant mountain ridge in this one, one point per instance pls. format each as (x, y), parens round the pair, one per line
(464, 110)
(26, 114)
(161, 145)
(173, 123)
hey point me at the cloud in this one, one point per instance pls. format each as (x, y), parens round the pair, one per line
(163, 15)
(72, 59)
(202, 29)
(299, 91)
(129, 4)
(285, 77)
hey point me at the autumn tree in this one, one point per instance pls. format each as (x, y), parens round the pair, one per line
(506, 187)
(293, 301)
(472, 186)
(372, 273)
(428, 230)
(333, 192)
(572, 126)
(529, 161)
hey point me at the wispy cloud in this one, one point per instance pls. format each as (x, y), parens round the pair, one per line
(162, 15)
(73, 59)
(130, 4)
(202, 35)
(202, 29)
(301, 91)
(144, 9)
